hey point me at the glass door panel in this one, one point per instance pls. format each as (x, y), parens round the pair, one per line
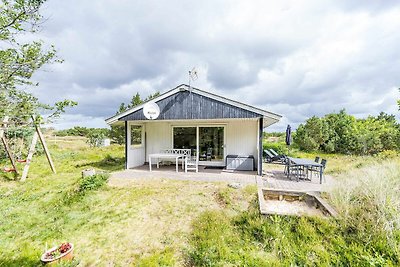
(211, 144)
(185, 138)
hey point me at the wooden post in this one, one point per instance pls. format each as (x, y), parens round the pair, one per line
(126, 146)
(260, 146)
(5, 120)
(32, 149)
(46, 150)
(5, 144)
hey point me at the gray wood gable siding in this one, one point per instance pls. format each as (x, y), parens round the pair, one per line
(185, 106)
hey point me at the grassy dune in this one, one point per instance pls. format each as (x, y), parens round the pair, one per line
(366, 234)
(177, 223)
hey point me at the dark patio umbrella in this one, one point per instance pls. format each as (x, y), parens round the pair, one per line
(288, 137)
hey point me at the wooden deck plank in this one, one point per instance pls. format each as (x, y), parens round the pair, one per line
(277, 180)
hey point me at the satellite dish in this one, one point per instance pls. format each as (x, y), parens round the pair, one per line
(151, 111)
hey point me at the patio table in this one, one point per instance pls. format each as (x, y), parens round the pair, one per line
(306, 163)
(165, 156)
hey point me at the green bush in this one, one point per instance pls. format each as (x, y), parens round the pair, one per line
(92, 182)
(95, 137)
(343, 133)
(280, 148)
(83, 131)
(274, 134)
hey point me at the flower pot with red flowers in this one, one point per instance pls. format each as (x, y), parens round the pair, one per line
(56, 254)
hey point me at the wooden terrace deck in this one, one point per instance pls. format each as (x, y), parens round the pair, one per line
(273, 177)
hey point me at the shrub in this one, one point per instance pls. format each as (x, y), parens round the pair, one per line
(343, 133)
(95, 137)
(280, 148)
(92, 182)
(83, 131)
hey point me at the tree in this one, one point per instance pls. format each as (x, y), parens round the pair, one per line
(342, 126)
(398, 101)
(313, 135)
(343, 133)
(136, 100)
(122, 108)
(19, 60)
(96, 137)
(117, 132)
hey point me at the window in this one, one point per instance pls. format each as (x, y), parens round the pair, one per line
(136, 135)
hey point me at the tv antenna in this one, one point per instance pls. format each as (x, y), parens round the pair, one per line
(192, 77)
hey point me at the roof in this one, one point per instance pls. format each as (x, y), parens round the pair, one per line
(247, 110)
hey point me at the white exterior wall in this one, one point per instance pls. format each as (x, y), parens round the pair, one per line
(135, 154)
(241, 138)
(159, 137)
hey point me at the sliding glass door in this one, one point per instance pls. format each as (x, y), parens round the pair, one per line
(185, 138)
(211, 144)
(208, 141)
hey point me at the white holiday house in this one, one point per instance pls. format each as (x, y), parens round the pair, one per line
(213, 127)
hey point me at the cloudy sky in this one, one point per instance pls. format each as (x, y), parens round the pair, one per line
(295, 58)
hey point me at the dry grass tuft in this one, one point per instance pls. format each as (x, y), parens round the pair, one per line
(369, 198)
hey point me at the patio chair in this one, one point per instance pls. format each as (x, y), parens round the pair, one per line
(207, 155)
(296, 171)
(323, 163)
(316, 169)
(313, 169)
(191, 164)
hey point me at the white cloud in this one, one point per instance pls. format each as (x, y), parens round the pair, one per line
(296, 58)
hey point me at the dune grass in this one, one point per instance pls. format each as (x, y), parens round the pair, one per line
(367, 233)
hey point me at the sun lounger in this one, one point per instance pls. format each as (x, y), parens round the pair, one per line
(273, 152)
(270, 158)
(276, 155)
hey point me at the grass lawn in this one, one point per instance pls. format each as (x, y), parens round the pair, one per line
(177, 223)
(146, 222)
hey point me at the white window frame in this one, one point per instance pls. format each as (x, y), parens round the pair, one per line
(197, 126)
(141, 145)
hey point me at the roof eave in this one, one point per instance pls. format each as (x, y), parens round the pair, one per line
(268, 121)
